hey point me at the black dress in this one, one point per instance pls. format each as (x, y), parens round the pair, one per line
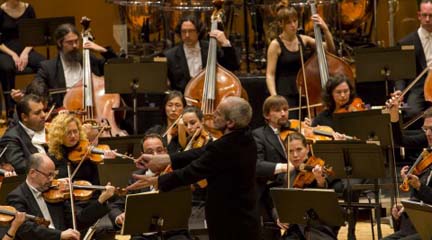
(9, 37)
(287, 66)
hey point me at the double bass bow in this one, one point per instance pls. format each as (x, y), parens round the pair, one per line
(89, 94)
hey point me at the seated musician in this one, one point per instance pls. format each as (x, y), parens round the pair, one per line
(421, 186)
(272, 162)
(65, 70)
(298, 155)
(66, 135)
(28, 197)
(9, 233)
(154, 145)
(173, 107)
(187, 59)
(26, 137)
(339, 96)
(191, 129)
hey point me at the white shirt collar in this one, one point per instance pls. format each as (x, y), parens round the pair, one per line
(34, 191)
(30, 132)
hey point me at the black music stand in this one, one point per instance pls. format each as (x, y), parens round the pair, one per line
(157, 212)
(421, 217)
(309, 207)
(40, 31)
(385, 64)
(133, 78)
(8, 185)
(354, 159)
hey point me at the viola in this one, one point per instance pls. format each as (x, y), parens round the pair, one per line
(82, 191)
(420, 165)
(7, 215)
(306, 177)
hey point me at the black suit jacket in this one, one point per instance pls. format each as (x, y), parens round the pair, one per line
(228, 164)
(22, 199)
(52, 73)
(19, 148)
(270, 153)
(178, 70)
(414, 39)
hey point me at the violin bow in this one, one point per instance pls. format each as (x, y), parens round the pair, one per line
(72, 202)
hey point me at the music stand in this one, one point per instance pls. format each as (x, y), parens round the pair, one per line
(133, 78)
(385, 64)
(40, 31)
(351, 159)
(309, 207)
(8, 185)
(157, 212)
(421, 217)
(116, 172)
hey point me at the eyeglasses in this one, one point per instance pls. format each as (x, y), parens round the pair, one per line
(159, 150)
(426, 128)
(72, 132)
(425, 15)
(184, 31)
(48, 175)
(339, 92)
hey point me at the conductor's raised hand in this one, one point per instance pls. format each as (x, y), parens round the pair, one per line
(156, 163)
(143, 181)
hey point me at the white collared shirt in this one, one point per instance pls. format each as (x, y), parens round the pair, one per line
(72, 72)
(41, 203)
(193, 57)
(426, 41)
(38, 139)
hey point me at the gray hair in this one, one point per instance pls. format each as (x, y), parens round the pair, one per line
(238, 110)
(35, 161)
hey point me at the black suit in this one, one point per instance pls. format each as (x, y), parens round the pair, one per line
(52, 73)
(415, 98)
(270, 153)
(19, 148)
(228, 164)
(23, 200)
(178, 70)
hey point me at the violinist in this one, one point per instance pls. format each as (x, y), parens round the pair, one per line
(28, 136)
(65, 70)
(27, 197)
(338, 96)
(188, 58)
(191, 129)
(65, 135)
(283, 54)
(10, 233)
(272, 162)
(298, 155)
(173, 105)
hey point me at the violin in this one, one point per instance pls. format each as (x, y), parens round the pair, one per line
(356, 105)
(94, 153)
(306, 177)
(318, 133)
(7, 215)
(82, 191)
(420, 165)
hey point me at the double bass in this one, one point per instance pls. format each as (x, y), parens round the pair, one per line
(89, 94)
(214, 83)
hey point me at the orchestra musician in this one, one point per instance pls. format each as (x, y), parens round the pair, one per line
(65, 133)
(299, 154)
(272, 162)
(28, 197)
(191, 129)
(26, 137)
(14, 57)
(9, 233)
(283, 54)
(188, 58)
(228, 164)
(421, 186)
(65, 70)
(152, 144)
(423, 52)
(173, 103)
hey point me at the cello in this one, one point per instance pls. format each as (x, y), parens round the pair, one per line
(313, 76)
(214, 83)
(89, 94)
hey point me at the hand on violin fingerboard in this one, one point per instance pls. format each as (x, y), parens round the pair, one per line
(107, 194)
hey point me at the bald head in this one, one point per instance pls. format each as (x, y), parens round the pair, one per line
(237, 110)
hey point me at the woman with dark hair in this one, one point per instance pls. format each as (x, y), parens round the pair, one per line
(14, 57)
(283, 55)
(173, 103)
(338, 96)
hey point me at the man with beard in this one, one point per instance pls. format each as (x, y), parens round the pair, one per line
(66, 70)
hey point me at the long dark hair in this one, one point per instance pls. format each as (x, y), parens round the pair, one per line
(332, 83)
